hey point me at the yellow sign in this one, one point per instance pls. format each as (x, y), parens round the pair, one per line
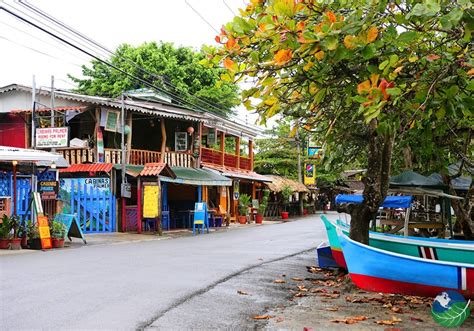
(309, 174)
(44, 234)
(151, 198)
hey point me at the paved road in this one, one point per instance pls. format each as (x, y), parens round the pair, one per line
(130, 286)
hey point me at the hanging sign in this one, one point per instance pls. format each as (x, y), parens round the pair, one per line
(111, 121)
(151, 197)
(44, 234)
(48, 189)
(314, 152)
(309, 174)
(52, 137)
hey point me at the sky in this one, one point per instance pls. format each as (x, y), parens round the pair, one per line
(25, 51)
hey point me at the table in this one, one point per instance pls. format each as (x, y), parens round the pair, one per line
(190, 214)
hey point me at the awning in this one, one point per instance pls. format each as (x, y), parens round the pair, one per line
(240, 174)
(158, 169)
(22, 155)
(193, 176)
(88, 167)
(130, 169)
(403, 201)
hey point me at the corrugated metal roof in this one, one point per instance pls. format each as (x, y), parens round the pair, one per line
(234, 173)
(195, 176)
(88, 167)
(41, 110)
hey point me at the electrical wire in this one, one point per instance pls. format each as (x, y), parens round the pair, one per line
(38, 11)
(202, 17)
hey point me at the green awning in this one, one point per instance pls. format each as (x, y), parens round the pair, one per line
(193, 176)
(130, 169)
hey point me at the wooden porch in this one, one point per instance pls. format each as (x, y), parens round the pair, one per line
(136, 156)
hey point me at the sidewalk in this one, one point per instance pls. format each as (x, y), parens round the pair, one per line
(117, 238)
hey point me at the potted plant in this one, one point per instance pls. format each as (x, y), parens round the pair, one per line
(286, 193)
(5, 232)
(262, 206)
(244, 202)
(15, 240)
(58, 232)
(34, 241)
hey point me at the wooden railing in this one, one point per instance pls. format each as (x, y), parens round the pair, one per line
(137, 156)
(230, 160)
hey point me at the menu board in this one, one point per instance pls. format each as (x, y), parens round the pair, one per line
(151, 198)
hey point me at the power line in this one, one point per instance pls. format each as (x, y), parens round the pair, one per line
(228, 7)
(77, 33)
(202, 17)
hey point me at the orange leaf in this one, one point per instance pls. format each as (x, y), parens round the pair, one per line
(374, 78)
(319, 55)
(349, 42)
(363, 87)
(283, 56)
(471, 72)
(262, 317)
(331, 16)
(300, 26)
(398, 69)
(432, 57)
(228, 63)
(279, 281)
(230, 43)
(242, 292)
(218, 39)
(372, 34)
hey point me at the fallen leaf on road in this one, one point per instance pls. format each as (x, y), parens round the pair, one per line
(262, 317)
(350, 320)
(307, 329)
(416, 319)
(242, 292)
(296, 279)
(302, 288)
(332, 309)
(397, 310)
(299, 295)
(279, 281)
(393, 321)
(280, 319)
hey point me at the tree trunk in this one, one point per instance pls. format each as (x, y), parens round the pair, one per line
(376, 181)
(462, 209)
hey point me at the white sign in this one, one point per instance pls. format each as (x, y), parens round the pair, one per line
(52, 137)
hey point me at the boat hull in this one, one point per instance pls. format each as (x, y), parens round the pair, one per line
(433, 249)
(383, 271)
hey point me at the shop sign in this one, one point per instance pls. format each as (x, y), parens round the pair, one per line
(151, 198)
(48, 189)
(309, 174)
(44, 234)
(52, 137)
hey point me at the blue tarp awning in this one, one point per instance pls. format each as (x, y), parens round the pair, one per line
(403, 201)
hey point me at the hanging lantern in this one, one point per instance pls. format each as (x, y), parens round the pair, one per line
(190, 130)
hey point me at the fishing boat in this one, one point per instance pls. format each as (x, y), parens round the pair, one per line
(458, 251)
(378, 270)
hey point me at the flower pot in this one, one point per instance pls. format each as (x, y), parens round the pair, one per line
(4, 244)
(15, 243)
(24, 242)
(305, 211)
(259, 219)
(58, 242)
(243, 219)
(34, 243)
(284, 215)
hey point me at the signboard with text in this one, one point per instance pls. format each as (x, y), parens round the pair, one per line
(151, 198)
(44, 234)
(48, 189)
(52, 137)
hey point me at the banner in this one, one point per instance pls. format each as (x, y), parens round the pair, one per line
(309, 174)
(151, 197)
(44, 234)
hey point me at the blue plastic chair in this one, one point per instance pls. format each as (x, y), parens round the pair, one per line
(200, 221)
(165, 218)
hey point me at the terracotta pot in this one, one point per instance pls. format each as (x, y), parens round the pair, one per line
(15, 243)
(57, 243)
(242, 219)
(4, 244)
(259, 219)
(305, 211)
(24, 242)
(284, 215)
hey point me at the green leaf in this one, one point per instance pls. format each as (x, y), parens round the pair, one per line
(407, 37)
(368, 52)
(440, 113)
(394, 91)
(427, 9)
(320, 96)
(383, 64)
(393, 59)
(331, 43)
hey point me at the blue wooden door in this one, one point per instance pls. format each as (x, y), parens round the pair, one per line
(95, 208)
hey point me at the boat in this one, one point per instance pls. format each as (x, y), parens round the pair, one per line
(378, 270)
(458, 251)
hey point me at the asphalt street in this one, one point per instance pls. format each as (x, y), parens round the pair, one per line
(148, 284)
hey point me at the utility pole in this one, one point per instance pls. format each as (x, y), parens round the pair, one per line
(33, 105)
(125, 189)
(300, 175)
(53, 124)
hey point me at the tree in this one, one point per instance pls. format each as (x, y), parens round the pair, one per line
(366, 71)
(173, 69)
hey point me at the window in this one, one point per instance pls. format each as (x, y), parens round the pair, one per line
(181, 141)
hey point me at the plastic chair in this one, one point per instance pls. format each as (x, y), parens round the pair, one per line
(200, 218)
(165, 218)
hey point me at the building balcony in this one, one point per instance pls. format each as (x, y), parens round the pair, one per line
(137, 156)
(213, 156)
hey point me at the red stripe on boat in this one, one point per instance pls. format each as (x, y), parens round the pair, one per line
(470, 278)
(376, 284)
(339, 258)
